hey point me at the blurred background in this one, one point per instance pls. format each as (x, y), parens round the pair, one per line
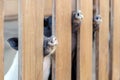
(10, 30)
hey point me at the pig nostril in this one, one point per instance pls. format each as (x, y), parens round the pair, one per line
(51, 41)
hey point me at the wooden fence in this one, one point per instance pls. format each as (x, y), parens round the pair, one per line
(105, 48)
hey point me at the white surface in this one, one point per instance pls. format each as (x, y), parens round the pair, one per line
(12, 73)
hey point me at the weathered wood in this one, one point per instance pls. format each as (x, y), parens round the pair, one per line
(103, 41)
(85, 42)
(116, 41)
(1, 40)
(32, 14)
(63, 32)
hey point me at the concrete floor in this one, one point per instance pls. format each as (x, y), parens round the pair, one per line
(10, 30)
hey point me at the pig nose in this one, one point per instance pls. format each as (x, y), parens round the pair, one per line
(52, 41)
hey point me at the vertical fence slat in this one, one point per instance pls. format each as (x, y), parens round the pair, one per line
(85, 43)
(103, 40)
(116, 41)
(63, 27)
(32, 12)
(1, 40)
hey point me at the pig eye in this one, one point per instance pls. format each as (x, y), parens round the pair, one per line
(97, 18)
(51, 41)
(78, 14)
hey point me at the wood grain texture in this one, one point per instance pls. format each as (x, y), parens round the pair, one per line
(85, 42)
(63, 31)
(103, 41)
(1, 40)
(32, 14)
(116, 41)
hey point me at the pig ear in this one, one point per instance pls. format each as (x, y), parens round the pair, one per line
(13, 42)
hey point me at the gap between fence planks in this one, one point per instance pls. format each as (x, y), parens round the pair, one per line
(96, 12)
(85, 42)
(103, 47)
(32, 15)
(110, 42)
(63, 32)
(1, 40)
(116, 41)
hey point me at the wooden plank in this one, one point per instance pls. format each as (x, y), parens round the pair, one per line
(1, 41)
(63, 29)
(32, 14)
(116, 41)
(103, 41)
(85, 42)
